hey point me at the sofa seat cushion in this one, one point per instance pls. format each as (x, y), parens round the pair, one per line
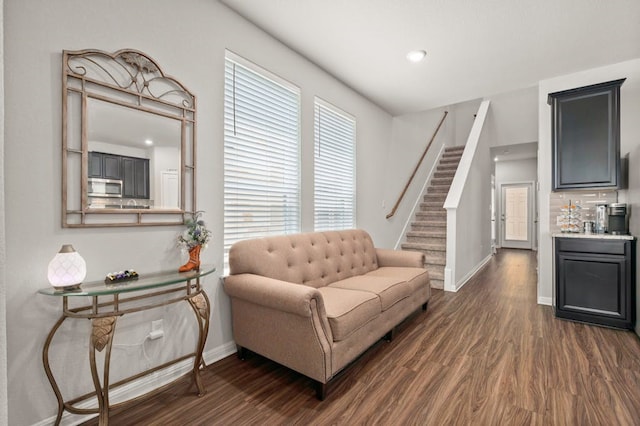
(347, 310)
(415, 277)
(389, 289)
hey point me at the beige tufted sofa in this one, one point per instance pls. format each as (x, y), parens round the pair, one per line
(315, 301)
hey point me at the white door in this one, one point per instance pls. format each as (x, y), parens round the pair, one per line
(516, 216)
(170, 189)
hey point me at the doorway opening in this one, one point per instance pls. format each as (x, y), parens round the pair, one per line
(516, 213)
(514, 201)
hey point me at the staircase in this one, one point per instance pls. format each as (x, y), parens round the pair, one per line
(429, 230)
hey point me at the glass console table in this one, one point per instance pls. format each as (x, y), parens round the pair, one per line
(110, 301)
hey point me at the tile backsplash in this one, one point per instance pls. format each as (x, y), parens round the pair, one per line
(587, 201)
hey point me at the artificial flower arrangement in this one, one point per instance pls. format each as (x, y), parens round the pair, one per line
(193, 238)
(196, 233)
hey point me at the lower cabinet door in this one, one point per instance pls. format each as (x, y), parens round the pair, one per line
(593, 288)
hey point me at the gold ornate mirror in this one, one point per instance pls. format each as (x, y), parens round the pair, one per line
(128, 141)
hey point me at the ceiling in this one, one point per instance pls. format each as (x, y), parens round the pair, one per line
(475, 48)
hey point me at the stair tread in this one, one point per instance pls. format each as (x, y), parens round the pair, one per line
(430, 234)
(439, 216)
(426, 234)
(425, 246)
(435, 260)
(436, 284)
(436, 271)
(438, 223)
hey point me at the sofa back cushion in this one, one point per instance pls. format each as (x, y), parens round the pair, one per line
(315, 259)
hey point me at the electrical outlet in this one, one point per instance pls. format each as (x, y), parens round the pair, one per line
(156, 330)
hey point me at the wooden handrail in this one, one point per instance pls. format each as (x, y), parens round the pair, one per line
(404, 191)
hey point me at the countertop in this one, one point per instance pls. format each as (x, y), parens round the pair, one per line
(592, 236)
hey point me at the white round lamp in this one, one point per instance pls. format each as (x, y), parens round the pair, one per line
(67, 269)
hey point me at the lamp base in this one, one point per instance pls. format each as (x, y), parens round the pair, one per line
(68, 287)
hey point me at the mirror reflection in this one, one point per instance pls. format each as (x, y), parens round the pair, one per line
(128, 141)
(133, 158)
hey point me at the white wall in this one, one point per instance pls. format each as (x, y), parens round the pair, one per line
(188, 39)
(4, 415)
(629, 142)
(514, 117)
(464, 115)
(473, 213)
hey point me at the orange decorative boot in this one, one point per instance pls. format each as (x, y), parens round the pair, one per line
(194, 260)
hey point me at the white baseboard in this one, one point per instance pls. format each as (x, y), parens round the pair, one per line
(471, 273)
(545, 301)
(448, 280)
(144, 384)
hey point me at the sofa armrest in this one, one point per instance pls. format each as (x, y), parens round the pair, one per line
(411, 259)
(276, 294)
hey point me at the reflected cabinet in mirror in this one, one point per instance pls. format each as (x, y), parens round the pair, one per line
(128, 141)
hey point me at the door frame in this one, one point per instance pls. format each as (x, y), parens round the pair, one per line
(529, 244)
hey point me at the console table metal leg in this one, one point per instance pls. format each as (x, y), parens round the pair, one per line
(101, 337)
(200, 304)
(47, 368)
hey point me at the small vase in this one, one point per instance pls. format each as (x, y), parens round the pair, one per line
(194, 260)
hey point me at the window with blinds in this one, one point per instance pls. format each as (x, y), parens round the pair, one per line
(334, 168)
(261, 153)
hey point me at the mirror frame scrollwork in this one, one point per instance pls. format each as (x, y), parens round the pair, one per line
(131, 79)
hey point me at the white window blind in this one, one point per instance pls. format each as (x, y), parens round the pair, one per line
(334, 168)
(261, 154)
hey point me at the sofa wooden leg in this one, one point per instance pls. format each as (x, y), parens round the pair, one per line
(424, 306)
(242, 352)
(321, 390)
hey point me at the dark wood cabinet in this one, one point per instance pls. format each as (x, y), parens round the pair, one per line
(105, 166)
(95, 164)
(111, 166)
(133, 171)
(135, 177)
(595, 281)
(586, 137)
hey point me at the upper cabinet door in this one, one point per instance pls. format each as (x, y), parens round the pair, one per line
(586, 137)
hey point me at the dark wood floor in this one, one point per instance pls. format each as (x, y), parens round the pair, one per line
(487, 355)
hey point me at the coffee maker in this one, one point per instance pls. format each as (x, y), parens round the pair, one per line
(618, 219)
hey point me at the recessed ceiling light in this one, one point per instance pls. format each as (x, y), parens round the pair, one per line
(416, 55)
(148, 142)
(495, 159)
